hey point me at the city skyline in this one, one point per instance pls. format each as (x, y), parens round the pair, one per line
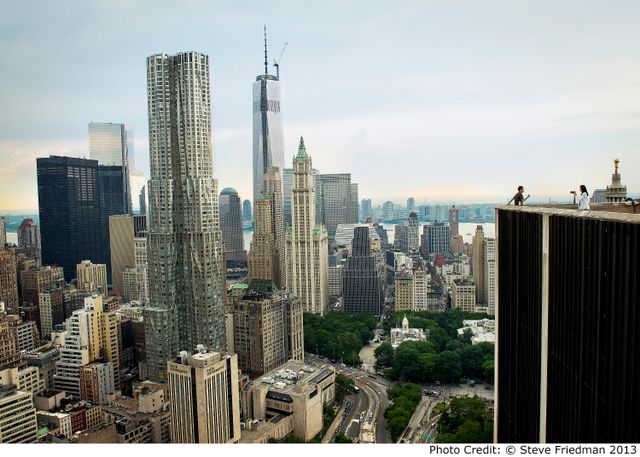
(552, 111)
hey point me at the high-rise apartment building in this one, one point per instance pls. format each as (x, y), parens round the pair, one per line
(337, 198)
(268, 143)
(435, 239)
(91, 335)
(108, 144)
(96, 382)
(401, 238)
(306, 242)
(204, 397)
(231, 225)
(420, 290)
(362, 283)
(454, 217)
(35, 280)
(92, 277)
(478, 266)
(490, 274)
(51, 311)
(17, 416)
(567, 320)
(365, 209)
(76, 198)
(128, 246)
(8, 279)
(186, 268)
(267, 331)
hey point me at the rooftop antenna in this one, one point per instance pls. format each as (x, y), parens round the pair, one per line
(266, 64)
(276, 63)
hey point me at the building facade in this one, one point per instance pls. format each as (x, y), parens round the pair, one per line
(17, 416)
(8, 279)
(204, 398)
(306, 242)
(566, 338)
(231, 226)
(337, 199)
(478, 265)
(616, 192)
(186, 268)
(92, 277)
(362, 283)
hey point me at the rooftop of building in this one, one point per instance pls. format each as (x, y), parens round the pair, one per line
(292, 378)
(623, 212)
(463, 282)
(229, 191)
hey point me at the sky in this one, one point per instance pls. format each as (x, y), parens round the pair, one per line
(456, 100)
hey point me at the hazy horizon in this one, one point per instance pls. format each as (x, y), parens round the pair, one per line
(453, 101)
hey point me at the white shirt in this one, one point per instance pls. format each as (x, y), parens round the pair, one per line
(583, 201)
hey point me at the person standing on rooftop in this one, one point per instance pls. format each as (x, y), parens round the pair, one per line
(518, 199)
(582, 199)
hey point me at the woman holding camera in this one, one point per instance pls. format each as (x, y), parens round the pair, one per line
(582, 199)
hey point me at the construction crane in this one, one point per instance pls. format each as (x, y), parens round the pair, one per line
(276, 63)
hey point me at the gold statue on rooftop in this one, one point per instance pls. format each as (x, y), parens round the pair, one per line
(616, 162)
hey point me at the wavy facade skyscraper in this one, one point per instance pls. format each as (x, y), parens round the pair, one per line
(268, 143)
(185, 253)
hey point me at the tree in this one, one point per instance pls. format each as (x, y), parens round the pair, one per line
(488, 370)
(344, 387)
(384, 355)
(448, 367)
(466, 420)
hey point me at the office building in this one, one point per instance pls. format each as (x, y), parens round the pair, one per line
(76, 198)
(186, 266)
(362, 283)
(127, 241)
(8, 280)
(413, 233)
(262, 259)
(138, 194)
(306, 242)
(345, 233)
(463, 295)
(478, 266)
(231, 225)
(92, 277)
(268, 143)
(287, 186)
(96, 382)
(26, 379)
(366, 209)
(247, 214)
(401, 238)
(9, 352)
(335, 280)
(454, 218)
(337, 198)
(567, 318)
(490, 274)
(411, 205)
(267, 331)
(204, 397)
(616, 192)
(273, 191)
(289, 399)
(17, 416)
(435, 239)
(404, 291)
(108, 144)
(388, 211)
(44, 358)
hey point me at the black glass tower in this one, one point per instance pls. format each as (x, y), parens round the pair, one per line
(75, 199)
(361, 280)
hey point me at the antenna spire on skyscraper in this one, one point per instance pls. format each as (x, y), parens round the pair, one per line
(266, 65)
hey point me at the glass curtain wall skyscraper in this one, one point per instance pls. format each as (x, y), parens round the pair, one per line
(185, 252)
(268, 144)
(108, 144)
